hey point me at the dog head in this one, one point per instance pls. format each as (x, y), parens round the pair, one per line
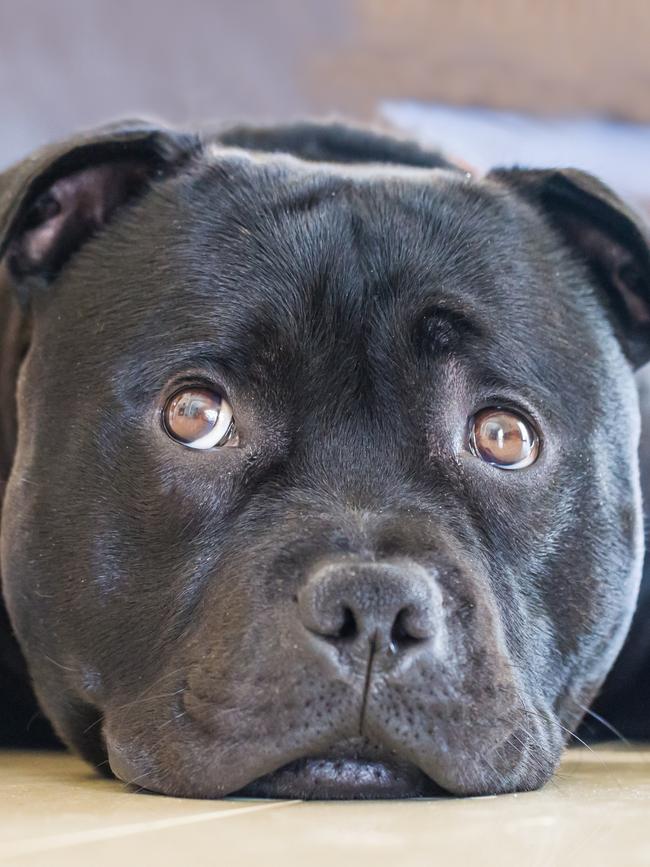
(324, 478)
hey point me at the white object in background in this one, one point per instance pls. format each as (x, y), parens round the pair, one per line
(618, 152)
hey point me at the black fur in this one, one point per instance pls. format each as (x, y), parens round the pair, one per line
(357, 298)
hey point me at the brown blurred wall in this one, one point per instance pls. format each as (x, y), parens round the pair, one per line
(536, 55)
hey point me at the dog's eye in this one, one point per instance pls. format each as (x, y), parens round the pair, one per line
(199, 419)
(503, 438)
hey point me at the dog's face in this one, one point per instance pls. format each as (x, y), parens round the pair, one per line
(325, 481)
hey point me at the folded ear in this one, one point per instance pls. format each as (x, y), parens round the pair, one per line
(56, 199)
(609, 237)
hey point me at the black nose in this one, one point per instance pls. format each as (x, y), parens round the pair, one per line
(391, 607)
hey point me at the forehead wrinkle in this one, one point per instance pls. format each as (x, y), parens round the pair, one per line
(376, 240)
(256, 192)
(365, 241)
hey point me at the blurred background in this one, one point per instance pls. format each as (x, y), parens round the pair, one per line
(491, 81)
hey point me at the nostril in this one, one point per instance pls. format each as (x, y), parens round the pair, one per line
(349, 627)
(331, 622)
(402, 634)
(345, 627)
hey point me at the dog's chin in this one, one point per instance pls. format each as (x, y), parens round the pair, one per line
(323, 778)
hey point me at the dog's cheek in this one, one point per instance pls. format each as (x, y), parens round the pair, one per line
(35, 608)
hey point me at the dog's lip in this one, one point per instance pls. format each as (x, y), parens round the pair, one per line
(343, 777)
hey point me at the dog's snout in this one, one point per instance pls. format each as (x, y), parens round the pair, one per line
(394, 607)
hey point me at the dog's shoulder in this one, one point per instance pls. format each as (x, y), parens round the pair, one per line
(332, 142)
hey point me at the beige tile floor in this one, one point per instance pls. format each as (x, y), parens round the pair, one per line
(53, 812)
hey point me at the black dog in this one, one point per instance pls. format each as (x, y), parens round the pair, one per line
(321, 461)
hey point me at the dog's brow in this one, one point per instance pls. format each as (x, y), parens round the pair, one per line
(452, 320)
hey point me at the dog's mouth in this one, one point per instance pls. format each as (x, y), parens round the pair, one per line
(343, 778)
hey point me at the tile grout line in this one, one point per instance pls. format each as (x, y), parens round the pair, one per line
(76, 838)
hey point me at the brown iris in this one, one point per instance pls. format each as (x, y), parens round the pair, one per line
(503, 438)
(199, 418)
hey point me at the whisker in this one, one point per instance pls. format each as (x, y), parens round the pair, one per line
(607, 725)
(61, 665)
(172, 719)
(575, 736)
(497, 775)
(99, 720)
